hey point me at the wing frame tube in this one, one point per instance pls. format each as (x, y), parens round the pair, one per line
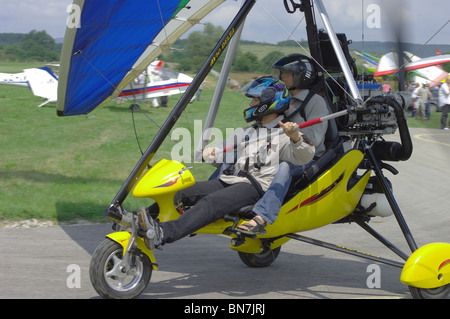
(179, 108)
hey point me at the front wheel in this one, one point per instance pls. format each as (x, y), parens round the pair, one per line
(263, 259)
(108, 276)
(433, 293)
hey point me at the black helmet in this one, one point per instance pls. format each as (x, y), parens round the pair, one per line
(303, 68)
(273, 95)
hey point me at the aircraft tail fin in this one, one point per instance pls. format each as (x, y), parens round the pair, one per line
(438, 52)
(43, 82)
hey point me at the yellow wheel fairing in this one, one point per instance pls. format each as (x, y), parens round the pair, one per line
(428, 267)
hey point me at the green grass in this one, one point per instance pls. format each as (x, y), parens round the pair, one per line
(71, 168)
(433, 122)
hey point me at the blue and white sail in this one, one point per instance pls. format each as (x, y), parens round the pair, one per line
(115, 42)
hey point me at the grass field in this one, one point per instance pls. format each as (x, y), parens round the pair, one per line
(70, 168)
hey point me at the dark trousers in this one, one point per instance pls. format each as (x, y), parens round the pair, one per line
(210, 201)
(445, 110)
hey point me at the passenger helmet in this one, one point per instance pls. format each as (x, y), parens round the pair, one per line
(303, 68)
(273, 95)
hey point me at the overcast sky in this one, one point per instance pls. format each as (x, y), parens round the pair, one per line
(353, 17)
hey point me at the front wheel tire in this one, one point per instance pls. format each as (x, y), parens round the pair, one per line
(109, 278)
(262, 259)
(433, 293)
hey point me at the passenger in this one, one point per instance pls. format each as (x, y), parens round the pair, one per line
(243, 183)
(299, 75)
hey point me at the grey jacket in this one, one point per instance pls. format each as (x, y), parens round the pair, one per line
(316, 107)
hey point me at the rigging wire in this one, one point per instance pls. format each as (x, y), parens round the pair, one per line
(426, 42)
(307, 53)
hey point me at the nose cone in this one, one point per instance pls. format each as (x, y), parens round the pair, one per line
(428, 267)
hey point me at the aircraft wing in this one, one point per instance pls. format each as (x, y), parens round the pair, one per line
(388, 63)
(367, 58)
(18, 79)
(115, 42)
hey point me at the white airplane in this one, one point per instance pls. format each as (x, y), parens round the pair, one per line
(156, 82)
(43, 82)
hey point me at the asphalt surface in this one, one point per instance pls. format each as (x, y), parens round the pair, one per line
(53, 262)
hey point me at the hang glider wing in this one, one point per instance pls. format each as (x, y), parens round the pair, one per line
(115, 42)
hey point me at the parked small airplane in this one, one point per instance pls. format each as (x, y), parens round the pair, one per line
(158, 81)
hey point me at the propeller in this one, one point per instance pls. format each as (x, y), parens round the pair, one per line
(396, 19)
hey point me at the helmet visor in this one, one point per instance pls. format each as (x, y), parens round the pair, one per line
(248, 114)
(257, 87)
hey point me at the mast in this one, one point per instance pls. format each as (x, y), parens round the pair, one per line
(339, 53)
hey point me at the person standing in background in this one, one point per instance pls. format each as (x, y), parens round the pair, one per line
(444, 101)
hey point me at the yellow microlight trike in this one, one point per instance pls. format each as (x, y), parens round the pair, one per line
(340, 187)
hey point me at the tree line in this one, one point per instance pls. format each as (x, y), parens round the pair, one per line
(33, 46)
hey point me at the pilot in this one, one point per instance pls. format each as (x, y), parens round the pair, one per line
(243, 182)
(299, 74)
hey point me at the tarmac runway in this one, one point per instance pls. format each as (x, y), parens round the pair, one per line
(41, 262)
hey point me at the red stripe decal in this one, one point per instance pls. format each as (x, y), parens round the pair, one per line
(447, 262)
(153, 89)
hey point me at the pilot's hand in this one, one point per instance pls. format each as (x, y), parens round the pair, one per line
(290, 130)
(209, 155)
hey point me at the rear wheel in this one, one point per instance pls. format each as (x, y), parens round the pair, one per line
(109, 278)
(433, 293)
(262, 259)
